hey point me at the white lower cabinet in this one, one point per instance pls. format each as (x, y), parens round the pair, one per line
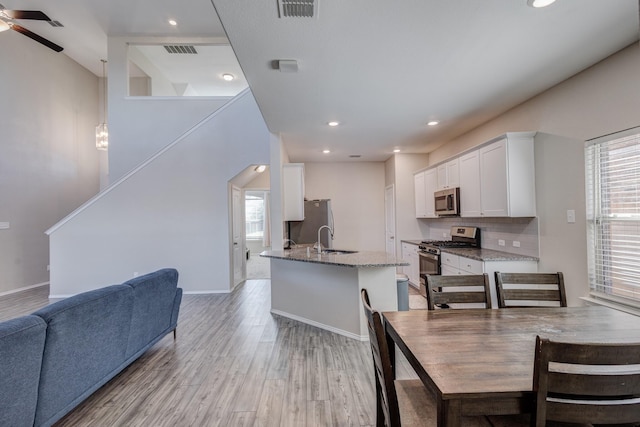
(410, 254)
(451, 264)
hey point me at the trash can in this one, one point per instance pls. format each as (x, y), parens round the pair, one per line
(402, 280)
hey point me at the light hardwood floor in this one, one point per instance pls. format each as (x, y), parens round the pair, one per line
(233, 364)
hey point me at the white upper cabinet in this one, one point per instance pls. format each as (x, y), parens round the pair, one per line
(430, 186)
(496, 180)
(449, 174)
(420, 195)
(470, 203)
(425, 184)
(293, 191)
(507, 177)
(493, 179)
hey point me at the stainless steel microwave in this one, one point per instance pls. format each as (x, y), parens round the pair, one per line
(447, 202)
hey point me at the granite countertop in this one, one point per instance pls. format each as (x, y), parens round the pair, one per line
(413, 242)
(355, 260)
(488, 254)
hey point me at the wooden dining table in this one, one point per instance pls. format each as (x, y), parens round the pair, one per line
(480, 361)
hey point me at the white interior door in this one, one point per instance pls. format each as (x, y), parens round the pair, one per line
(390, 220)
(238, 241)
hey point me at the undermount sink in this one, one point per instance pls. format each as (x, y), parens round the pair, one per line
(337, 252)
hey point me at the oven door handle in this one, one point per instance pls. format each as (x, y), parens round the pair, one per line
(428, 255)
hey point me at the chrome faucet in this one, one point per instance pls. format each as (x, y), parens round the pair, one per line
(330, 234)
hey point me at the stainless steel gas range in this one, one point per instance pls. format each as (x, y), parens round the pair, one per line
(429, 254)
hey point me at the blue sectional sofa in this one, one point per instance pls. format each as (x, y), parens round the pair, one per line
(55, 358)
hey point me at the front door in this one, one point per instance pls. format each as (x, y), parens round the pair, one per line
(238, 223)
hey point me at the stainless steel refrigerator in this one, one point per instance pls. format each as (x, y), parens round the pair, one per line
(316, 214)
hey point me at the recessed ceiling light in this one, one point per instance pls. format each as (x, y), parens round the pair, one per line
(260, 168)
(228, 77)
(397, 150)
(172, 22)
(433, 123)
(333, 124)
(326, 151)
(540, 3)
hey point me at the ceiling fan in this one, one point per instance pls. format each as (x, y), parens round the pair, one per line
(7, 18)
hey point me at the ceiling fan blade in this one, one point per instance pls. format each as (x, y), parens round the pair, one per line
(36, 37)
(26, 14)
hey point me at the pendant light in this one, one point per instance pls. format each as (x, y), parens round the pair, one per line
(102, 133)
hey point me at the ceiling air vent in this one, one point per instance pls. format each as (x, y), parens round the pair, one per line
(297, 8)
(181, 49)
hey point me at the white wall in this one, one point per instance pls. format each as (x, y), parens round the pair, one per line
(603, 99)
(563, 246)
(399, 172)
(140, 127)
(173, 212)
(48, 161)
(356, 190)
(600, 100)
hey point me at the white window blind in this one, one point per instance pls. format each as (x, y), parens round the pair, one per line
(613, 215)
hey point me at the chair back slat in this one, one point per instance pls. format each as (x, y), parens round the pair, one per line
(449, 290)
(385, 388)
(515, 288)
(586, 383)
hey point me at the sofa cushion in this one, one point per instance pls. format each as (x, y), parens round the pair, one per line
(85, 347)
(21, 346)
(154, 296)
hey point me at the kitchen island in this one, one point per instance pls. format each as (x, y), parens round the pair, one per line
(323, 289)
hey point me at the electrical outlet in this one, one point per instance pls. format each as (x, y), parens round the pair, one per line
(571, 216)
(444, 234)
(500, 242)
(48, 267)
(516, 244)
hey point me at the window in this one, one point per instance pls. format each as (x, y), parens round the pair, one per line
(254, 214)
(613, 215)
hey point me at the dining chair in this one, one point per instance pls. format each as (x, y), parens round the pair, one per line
(460, 290)
(586, 383)
(530, 289)
(399, 402)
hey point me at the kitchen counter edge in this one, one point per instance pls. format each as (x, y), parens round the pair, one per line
(488, 254)
(354, 260)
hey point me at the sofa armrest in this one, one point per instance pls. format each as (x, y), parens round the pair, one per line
(21, 347)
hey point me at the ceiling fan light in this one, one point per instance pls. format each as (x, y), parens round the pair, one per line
(539, 3)
(3, 26)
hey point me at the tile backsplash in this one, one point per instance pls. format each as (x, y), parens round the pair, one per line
(492, 230)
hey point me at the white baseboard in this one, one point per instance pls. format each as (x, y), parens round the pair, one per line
(321, 325)
(14, 291)
(205, 292)
(184, 293)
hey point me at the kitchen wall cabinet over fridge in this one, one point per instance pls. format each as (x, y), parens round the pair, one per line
(293, 191)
